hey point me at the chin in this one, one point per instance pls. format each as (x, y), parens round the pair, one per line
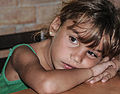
(58, 67)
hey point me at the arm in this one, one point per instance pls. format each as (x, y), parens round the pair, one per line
(49, 82)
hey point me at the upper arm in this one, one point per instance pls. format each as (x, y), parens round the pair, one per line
(24, 59)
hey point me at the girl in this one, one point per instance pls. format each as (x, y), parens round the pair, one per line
(85, 32)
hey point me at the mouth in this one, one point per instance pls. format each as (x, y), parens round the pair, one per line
(67, 66)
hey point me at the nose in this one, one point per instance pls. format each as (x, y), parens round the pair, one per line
(78, 55)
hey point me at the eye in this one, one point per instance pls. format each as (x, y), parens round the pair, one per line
(92, 54)
(73, 40)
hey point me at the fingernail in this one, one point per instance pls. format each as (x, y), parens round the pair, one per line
(91, 82)
(103, 81)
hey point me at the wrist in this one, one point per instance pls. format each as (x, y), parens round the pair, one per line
(117, 64)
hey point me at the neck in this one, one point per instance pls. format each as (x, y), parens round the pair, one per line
(47, 56)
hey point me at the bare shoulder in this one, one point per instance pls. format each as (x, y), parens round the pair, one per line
(23, 55)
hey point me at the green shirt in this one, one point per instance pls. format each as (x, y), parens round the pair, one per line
(6, 86)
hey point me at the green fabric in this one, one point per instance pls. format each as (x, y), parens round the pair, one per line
(6, 86)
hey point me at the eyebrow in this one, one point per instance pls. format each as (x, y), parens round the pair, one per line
(100, 51)
(76, 32)
(73, 30)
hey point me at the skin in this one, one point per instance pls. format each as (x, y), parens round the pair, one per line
(108, 73)
(61, 58)
(75, 53)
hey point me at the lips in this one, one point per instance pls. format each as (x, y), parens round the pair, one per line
(67, 66)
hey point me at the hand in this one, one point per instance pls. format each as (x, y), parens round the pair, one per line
(101, 67)
(109, 73)
(105, 76)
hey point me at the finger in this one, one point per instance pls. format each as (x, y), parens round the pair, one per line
(96, 79)
(113, 64)
(105, 59)
(100, 68)
(111, 72)
(90, 79)
(106, 78)
(109, 64)
(116, 63)
(106, 73)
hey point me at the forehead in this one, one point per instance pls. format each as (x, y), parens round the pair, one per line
(78, 27)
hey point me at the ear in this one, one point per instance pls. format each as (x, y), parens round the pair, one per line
(54, 26)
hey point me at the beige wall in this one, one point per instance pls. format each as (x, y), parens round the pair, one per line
(25, 15)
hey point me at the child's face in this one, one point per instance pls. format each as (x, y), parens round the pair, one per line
(67, 52)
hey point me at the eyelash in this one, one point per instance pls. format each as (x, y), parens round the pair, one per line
(92, 54)
(72, 39)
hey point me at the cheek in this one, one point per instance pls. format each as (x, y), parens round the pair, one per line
(88, 63)
(60, 51)
(61, 48)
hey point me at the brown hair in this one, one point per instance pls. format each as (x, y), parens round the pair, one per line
(105, 23)
(103, 17)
